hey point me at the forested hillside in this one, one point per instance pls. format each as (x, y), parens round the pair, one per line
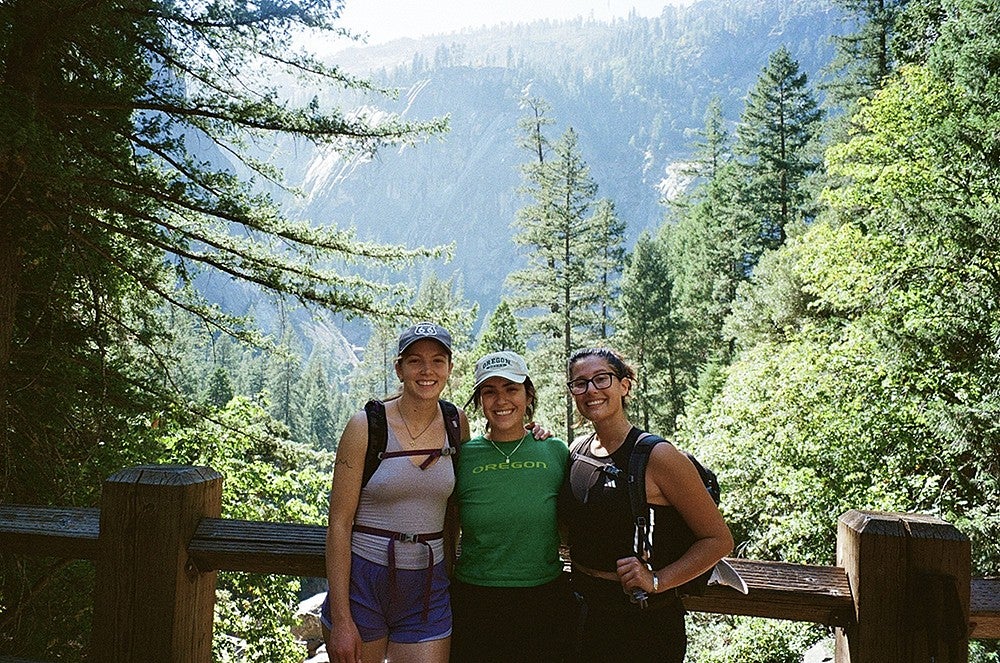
(633, 91)
(813, 312)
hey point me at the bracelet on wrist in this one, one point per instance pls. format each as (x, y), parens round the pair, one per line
(656, 583)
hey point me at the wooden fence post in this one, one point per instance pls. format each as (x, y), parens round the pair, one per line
(150, 602)
(910, 578)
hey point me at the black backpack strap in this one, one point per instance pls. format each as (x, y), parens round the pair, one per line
(452, 425)
(642, 512)
(636, 482)
(378, 433)
(584, 472)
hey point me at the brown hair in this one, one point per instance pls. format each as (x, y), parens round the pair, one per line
(616, 361)
(529, 391)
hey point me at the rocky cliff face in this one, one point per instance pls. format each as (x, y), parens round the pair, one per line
(635, 91)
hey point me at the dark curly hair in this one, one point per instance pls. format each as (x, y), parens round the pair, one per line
(529, 390)
(621, 368)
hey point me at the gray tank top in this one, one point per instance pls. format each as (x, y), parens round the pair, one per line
(400, 497)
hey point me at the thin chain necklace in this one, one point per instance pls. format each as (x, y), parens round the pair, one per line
(413, 438)
(505, 455)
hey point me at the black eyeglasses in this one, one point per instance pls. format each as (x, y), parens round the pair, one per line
(600, 381)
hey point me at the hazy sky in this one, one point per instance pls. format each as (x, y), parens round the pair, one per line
(385, 20)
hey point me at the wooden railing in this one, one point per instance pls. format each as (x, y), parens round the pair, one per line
(901, 591)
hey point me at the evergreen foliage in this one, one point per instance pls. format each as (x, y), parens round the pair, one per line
(118, 124)
(650, 330)
(570, 259)
(865, 57)
(501, 332)
(822, 352)
(775, 134)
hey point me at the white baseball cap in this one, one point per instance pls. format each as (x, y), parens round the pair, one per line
(505, 364)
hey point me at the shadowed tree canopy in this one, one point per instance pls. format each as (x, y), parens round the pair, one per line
(108, 208)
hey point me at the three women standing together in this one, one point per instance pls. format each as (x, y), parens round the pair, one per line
(389, 587)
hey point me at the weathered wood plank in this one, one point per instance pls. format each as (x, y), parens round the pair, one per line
(259, 547)
(984, 608)
(778, 590)
(151, 605)
(69, 532)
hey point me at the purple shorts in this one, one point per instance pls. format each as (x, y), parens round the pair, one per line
(381, 609)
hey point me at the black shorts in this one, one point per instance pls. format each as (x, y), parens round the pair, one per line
(611, 628)
(511, 624)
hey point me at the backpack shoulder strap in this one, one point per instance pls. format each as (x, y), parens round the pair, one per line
(378, 434)
(452, 425)
(636, 482)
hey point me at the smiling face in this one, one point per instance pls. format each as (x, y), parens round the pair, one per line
(423, 368)
(599, 404)
(505, 405)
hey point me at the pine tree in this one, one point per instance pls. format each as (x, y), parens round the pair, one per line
(650, 332)
(501, 332)
(712, 149)
(610, 252)
(864, 57)
(107, 216)
(220, 388)
(558, 290)
(283, 380)
(710, 248)
(317, 417)
(775, 144)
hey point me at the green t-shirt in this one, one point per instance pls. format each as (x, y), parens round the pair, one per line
(508, 511)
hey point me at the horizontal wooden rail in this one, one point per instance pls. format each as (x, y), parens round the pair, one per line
(984, 608)
(221, 544)
(66, 532)
(778, 590)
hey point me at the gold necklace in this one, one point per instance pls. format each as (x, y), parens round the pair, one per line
(413, 438)
(507, 456)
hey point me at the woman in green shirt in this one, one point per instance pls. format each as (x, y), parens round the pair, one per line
(508, 598)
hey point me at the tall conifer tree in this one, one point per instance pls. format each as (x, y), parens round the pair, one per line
(558, 290)
(501, 332)
(864, 56)
(609, 231)
(775, 146)
(651, 330)
(108, 213)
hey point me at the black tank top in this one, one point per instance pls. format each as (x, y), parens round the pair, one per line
(602, 530)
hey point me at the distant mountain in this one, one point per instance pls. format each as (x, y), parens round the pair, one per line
(634, 90)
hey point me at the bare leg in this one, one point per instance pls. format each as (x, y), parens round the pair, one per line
(374, 651)
(432, 651)
(371, 652)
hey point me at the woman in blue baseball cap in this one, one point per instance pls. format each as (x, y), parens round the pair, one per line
(385, 551)
(509, 600)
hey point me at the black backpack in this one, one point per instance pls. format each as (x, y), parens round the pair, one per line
(636, 482)
(378, 433)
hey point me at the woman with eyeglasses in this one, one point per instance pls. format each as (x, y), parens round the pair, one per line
(632, 610)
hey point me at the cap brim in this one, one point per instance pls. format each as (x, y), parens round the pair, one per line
(444, 345)
(513, 377)
(725, 574)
